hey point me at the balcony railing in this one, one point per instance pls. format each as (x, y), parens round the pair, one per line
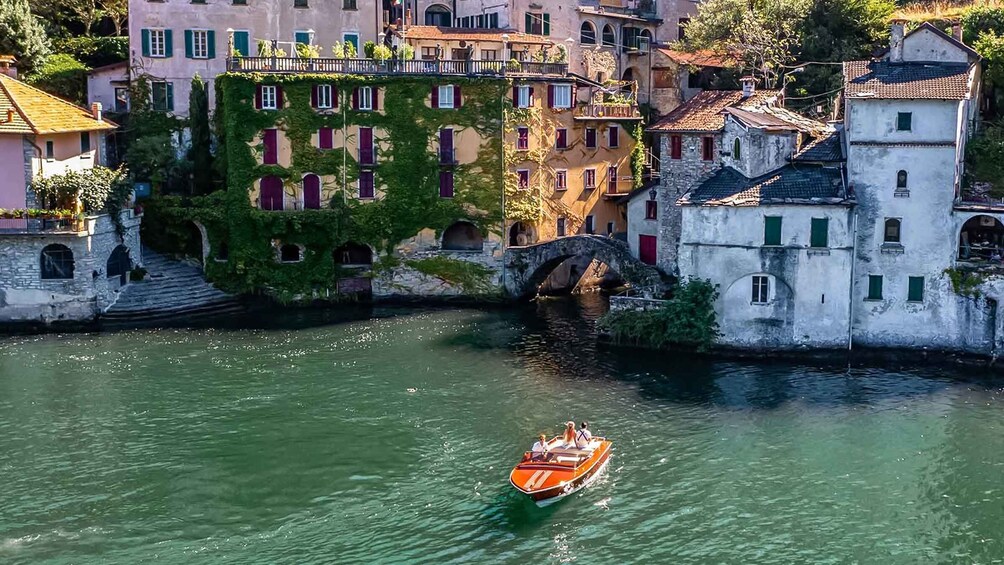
(495, 68)
(447, 156)
(984, 201)
(11, 226)
(608, 111)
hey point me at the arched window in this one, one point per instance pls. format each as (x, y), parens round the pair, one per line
(270, 194)
(609, 37)
(736, 150)
(901, 180)
(646, 36)
(438, 15)
(587, 34)
(311, 192)
(57, 262)
(892, 226)
(353, 254)
(290, 253)
(463, 236)
(118, 264)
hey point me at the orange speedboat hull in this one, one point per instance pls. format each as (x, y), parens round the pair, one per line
(562, 472)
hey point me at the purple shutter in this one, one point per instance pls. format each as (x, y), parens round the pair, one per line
(311, 192)
(550, 96)
(435, 96)
(515, 96)
(334, 96)
(270, 139)
(313, 96)
(270, 193)
(562, 139)
(366, 184)
(456, 96)
(446, 146)
(257, 97)
(278, 97)
(355, 98)
(376, 98)
(446, 184)
(325, 138)
(366, 146)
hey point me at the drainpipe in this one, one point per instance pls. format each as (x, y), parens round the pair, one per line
(854, 261)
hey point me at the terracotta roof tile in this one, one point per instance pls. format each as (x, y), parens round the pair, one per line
(703, 113)
(882, 79)
(40, 112)
(701, 58)
(787, 185)
(472, 34)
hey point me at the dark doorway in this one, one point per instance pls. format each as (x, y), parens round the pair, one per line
(463, 236)
(353, 254)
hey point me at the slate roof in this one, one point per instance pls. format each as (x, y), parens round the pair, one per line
(904, 81)
(826, 148)
(38, 112)
(760, 120)
(703, 113)
(790, 184)
(472, 34)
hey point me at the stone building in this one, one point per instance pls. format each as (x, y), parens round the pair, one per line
(54, 267)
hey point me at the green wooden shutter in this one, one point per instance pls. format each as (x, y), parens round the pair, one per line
(916, 289)
(145, 37)
(529, 22)
(874, 287)
(904, 121)
(189, 44)
(170, 97)
(772, 230)
(302, 37)
(168, 43)
(242, 43)
(547, 24)
(211, 43)
(820, 233)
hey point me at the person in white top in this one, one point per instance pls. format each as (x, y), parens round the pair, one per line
(583, 436)
(540, 448)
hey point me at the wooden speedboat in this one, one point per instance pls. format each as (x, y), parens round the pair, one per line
(563, 471)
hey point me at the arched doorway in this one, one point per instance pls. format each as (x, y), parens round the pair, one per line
(438, 15)
(194, 238)
(119, 264)
(352, 254)
(463, 236)
(981, 240)
(521, 234)
(270, 193)
(587, 34)
(56, 262)
(311, 192)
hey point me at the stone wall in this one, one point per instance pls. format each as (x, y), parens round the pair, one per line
(620, 303)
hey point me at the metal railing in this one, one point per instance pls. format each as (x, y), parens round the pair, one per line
(12, 226)
(607, 111)
(447, 156)
(497, 68)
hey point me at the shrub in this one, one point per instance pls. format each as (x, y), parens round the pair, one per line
(63, 76)
(94, 51)
(96, 189)
(368, 48)
(687, 320)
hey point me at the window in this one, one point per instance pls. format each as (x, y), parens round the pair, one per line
(156, 43)
(121, 99)
(326, 138)
(560, 180)
(50, 150)
(445, 96)
(489, 54)
(366, 184)
(523, 177)
(681, 28)
(198, 44)
(609, 38)
(270, 147)
(289, 253)
(447, 154)
(364, 95)
(56, 262)
(458, 54)
(429, 53)
(708, 148)
(349, 5)
(591, 138)
(240, 2)
(561, 96)
(772, 230)
(610, 228)
(612, 179)
(446, 184)
(874, 287)
(311, 192)
(675, 147)
(587, 34)
(522, 139)
(761, 289)
(271, 195)
(589, 179)
(352, 38)
(901, 178)
(904, 121)
(537, 23)
(523, 96)
(85, 142)
(300, 4)
(269, 97)
(736, 150)
(651, 209)
(163, 96)
(561, 227)
(301, 38)
(915, 289)
(892, 227)
(613, 137)
(366, 153)
(561, 138)
(323, 98)
(819, 235)
(589, 227)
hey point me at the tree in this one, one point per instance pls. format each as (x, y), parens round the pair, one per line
(63, 76)
(87, 12)
(117, 11)
(200, 153)
(22, 35)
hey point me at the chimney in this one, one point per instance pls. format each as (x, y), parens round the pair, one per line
(407, 18)
(957, 31)
(96, 110)
(10, 116)
(749, 86)
(896, 42)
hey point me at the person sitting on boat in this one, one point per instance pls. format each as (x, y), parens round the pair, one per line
(568, 438)
(583, 436)
(540, 448)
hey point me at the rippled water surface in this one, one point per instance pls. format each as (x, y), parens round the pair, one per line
(304, 444)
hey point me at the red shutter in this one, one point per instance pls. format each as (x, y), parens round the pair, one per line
(675, 147)
(334, 96)
(257, 97)
(376, 98)
(550, 96)
(270, 195)
(355, 98)
(325, 138)
(515, 96)
(313, 96)
(435, 96)
(366, 184)
(456, 97)
(278, 97)
(271, 153)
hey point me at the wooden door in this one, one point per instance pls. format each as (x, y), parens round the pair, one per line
(646, 249)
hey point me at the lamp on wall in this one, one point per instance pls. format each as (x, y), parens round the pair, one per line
(505, 43)
(652, 193)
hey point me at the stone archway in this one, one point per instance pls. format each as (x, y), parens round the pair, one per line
(981, 240)
(521, 234)
(196, 243)
(463, 236)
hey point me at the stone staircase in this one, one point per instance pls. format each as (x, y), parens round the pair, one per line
(172, 290)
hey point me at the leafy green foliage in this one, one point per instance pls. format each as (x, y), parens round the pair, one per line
(471, 277)
(981, 19)
(200, 153)
(985, 158)
(22, 35)
(94, 188)
(150, 150)
(688, 320)
(94, 51)
(638, 157)
(63, 76)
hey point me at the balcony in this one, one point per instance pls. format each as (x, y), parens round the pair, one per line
(607, 112)
(447, 156)
(27, 226)
(488, 68)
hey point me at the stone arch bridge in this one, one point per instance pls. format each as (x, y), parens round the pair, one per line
(527, 267)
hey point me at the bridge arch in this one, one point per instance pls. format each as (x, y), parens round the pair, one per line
(527, 267)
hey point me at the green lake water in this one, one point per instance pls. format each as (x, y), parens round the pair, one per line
(300, 442)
